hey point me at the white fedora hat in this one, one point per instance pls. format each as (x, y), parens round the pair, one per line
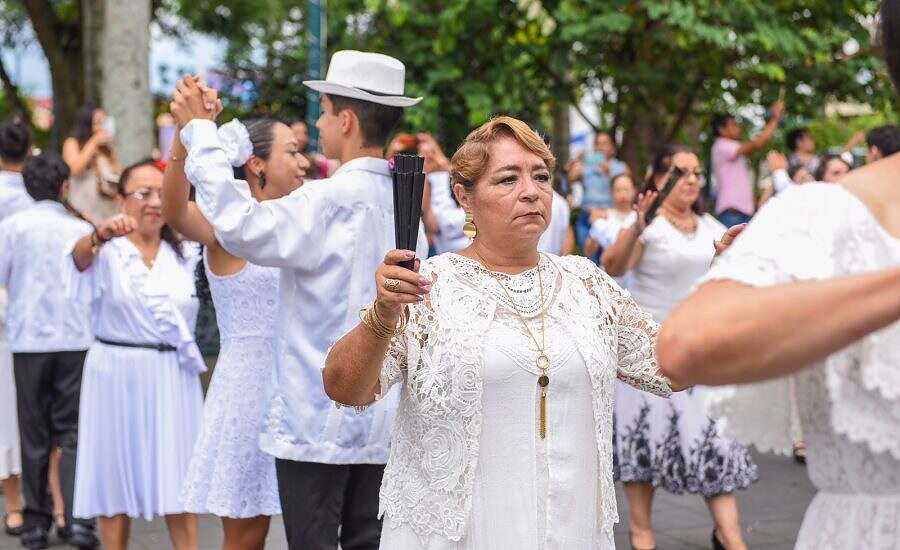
(368, 76)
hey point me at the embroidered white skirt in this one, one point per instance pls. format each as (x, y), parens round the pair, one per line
(139, 419)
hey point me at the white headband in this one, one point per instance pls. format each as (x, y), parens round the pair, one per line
(235, 139)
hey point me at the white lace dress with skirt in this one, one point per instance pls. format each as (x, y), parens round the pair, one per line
(849, 405)
(10, 458)
(527, 493)
(229, 475)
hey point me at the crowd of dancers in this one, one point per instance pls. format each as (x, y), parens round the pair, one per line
(488, 398)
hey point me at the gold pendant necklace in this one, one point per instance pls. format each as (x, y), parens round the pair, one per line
(542, 362)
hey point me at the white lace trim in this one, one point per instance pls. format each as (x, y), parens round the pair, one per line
(434, 450)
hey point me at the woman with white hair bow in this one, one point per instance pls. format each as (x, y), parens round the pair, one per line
(229, 475)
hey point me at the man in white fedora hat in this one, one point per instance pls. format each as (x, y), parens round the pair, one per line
(327, 237)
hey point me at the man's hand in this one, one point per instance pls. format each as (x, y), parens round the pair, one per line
(194, 100)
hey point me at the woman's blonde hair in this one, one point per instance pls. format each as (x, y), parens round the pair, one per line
(470, 161)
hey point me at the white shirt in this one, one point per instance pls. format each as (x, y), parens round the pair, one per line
(672, 263)
(555, 235)
(13, 196)
(41, 317)
(606, 230)
(328, 238)
(450, 216)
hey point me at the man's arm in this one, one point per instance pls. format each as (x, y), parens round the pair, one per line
(762, 138)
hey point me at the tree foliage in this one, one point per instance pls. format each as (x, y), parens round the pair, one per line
(656, 70)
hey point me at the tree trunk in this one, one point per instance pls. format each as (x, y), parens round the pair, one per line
(643, 135)
(61, 44)
(91, 39)
(125, 67)
(11, 92)
(561, 133)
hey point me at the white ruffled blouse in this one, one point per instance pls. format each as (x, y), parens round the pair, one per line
(133, 303)
(850, 403)
(466, 365)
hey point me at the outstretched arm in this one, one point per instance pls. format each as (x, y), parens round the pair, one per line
(763, 137)
(278, 233)
(179, 212)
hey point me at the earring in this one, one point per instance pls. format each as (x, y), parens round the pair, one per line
(469, 229)
(262, 180)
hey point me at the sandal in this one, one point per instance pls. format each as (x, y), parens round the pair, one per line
(10, 530)
(59, 521)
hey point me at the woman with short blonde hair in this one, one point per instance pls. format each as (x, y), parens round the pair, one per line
(506, 359)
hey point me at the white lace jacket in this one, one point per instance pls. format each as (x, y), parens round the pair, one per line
(434, 449)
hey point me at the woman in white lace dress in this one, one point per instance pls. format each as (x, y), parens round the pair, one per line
(672, 444)
(814, 281)
(507, 360)
(229, 475)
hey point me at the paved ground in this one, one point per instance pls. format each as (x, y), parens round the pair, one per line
(771, 511)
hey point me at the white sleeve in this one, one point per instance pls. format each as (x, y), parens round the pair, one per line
(5, 252)
(441, 195)
(781, 180)
(278, 233)
(790, 239)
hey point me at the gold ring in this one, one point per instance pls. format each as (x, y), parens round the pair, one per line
(392, 285)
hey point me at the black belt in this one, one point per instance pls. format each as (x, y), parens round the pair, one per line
(157, 347)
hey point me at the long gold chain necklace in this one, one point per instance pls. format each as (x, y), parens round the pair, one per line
(542, 362)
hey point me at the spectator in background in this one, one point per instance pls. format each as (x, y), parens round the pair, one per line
(782, 176)
(95, 169)
(882, 142)
(319, 166)
(596, 172)
(735, 204)
(15, 146)
(802, 149)
(832, 168)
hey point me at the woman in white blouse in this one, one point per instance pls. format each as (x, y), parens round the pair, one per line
(501, 419)
(814, 281)
(141, 401)
(673, 444)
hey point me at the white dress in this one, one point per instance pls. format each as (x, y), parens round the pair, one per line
(527, 493)
(850, 403)
(673, 443)
(10, 458)
(140, 408)
(229, 475)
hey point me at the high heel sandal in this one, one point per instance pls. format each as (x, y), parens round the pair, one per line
(13, 531)
(799, 452)
(716, 543)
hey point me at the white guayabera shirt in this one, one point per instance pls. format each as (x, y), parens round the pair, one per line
(468, 469)
(328, 237)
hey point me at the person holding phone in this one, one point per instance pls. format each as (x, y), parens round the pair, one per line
(95, 167)
(597, 171)
(731, 170)
(672, 444)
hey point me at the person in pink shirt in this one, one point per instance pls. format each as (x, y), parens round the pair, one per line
(735, 203)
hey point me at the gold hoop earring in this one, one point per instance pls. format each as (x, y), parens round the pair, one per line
(469, 229)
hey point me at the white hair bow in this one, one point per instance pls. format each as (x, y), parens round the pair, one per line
(235, 139)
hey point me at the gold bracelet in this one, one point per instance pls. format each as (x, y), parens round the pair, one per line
(369, 317)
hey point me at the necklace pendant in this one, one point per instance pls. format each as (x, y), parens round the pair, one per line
(543, 380)
(542, 362)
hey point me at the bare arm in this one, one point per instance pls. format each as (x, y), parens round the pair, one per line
(353, 367)
(763, 137)
(87, 247)
(733, 333)
(627, 250)
(179, 212)
(80, 158)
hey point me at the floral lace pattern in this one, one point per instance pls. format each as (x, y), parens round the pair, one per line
(428, 480)
(849, 404)
(229, 475)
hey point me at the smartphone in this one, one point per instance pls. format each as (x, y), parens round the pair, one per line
(677, 174)
(109, 124)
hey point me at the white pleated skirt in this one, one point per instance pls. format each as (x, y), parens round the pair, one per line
(10, 457)
(139, 419)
